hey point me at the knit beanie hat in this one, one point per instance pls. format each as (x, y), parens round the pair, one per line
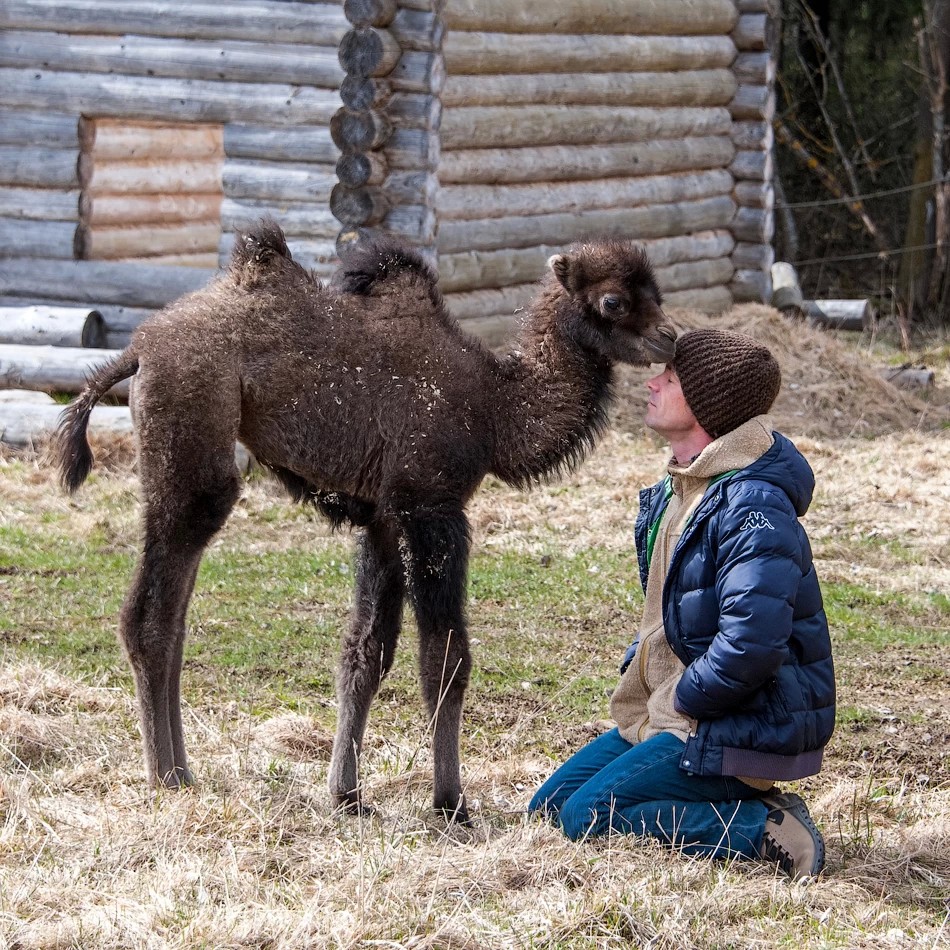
(727, 378)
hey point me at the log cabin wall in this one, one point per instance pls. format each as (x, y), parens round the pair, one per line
(94, 94)
(574, 118)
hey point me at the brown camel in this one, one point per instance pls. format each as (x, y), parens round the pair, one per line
(368, 400)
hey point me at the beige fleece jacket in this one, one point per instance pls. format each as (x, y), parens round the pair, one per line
(642, 703)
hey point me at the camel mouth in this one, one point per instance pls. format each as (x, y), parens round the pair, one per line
(661, 344)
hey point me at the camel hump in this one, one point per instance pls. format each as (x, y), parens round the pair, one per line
(261, 245)
(367, 264)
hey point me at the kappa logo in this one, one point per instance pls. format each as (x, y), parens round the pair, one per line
(755, 519)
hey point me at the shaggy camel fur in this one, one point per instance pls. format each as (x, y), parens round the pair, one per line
(368, 400)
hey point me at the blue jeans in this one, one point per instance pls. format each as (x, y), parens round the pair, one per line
(613, 786)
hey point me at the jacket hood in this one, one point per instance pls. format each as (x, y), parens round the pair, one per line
(784, 466)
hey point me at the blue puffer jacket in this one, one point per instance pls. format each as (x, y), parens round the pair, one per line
(743, 611)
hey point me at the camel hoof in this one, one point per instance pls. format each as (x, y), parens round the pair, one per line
(456, 814)
(350, 803)
(176, 779)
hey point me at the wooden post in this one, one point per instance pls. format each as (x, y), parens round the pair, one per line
(388, 127)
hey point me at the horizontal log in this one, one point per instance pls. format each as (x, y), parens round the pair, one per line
(694, 275)
(32, 127)
(277, 181)
(420, 30)
(52, 326)
(201, 259)
(28, 424)
(772, 7)
(647, 221)
(530, 126)
(111, 210)
(564, 162)
(147, 240)
(753, 135)
(753, 31)
(189, 100)
(149, 177)
(461, 202)
(419, 71)
(115, 319)
(302, 143)
(122, 140)
(705, 299)
(751, 286)
(369, 12)
(354, 207)
(99, 283)
(748, 256)
(697, 87)
(786, 291)
(39, 204)
(52, 368)
(411, 149)
(411, 188)
(417, 223)
(755, 194)
(364, 93)
(907, 377)
(167, 57)
(504, 301)
(362, 168)
(756, 225)
(39, 167)
(36, 239)
(839, 314)
(753, 103)
(472, 270)
(317, 24)
(494, 331)
(369, 52)
(359, 131)
(468, 53)
(593, 16)
(756, 165)
(755, 69)
(414, 110)
(300, 220)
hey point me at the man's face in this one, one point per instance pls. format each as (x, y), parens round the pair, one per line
(667, 413)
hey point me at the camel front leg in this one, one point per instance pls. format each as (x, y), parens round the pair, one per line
(438, 541)
(367, 655)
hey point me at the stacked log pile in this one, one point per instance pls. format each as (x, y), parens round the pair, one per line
(752, 110)
(576, 118)
(258, 80)
(388, 127)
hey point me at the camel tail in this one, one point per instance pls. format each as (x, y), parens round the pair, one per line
(73, 455)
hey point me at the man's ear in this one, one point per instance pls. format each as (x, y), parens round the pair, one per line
(561, 265)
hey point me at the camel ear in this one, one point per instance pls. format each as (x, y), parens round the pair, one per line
(561, 265)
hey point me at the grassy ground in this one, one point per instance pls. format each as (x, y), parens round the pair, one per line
(253, 857)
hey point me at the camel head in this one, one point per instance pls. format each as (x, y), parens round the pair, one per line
(615, 302)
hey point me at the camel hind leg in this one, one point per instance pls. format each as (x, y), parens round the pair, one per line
(152, 622)
(368, 652)
(189, 486)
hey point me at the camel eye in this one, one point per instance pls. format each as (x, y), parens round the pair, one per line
(613, 305)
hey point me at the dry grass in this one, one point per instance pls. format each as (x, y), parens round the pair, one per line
(253, 857)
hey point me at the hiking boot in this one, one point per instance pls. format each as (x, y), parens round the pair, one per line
(791, 838)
